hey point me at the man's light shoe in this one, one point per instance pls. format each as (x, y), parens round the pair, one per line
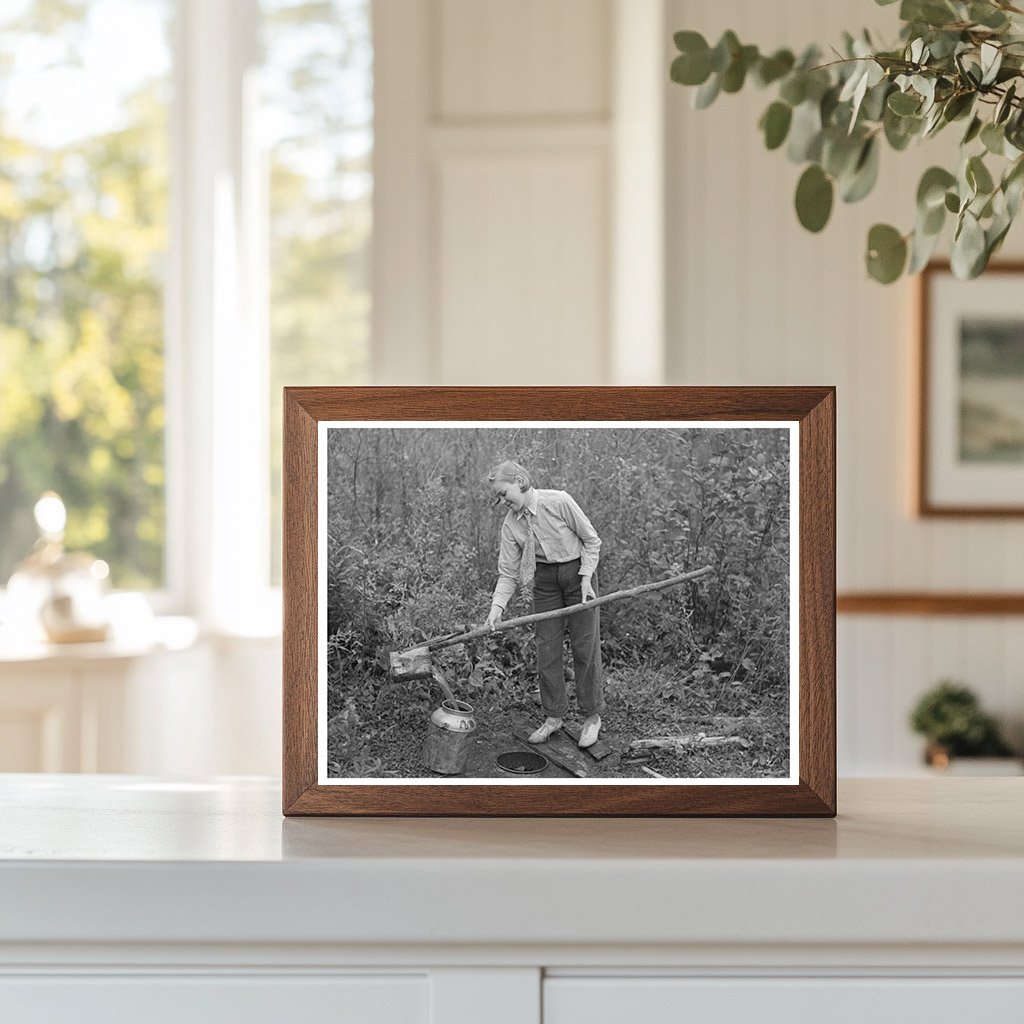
(588, 734)
(551, 725)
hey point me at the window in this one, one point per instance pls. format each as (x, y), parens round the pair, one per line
(83, 236)
(185, 220)
(317, 117)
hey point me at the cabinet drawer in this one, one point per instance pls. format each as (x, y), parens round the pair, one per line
(223, 999)
(569, 1000)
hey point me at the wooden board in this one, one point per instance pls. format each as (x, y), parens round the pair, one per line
(558, 748)
(598, 751)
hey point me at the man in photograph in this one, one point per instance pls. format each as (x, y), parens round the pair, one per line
(550, 548)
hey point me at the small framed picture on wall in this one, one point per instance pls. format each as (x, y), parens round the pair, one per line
(970, 445)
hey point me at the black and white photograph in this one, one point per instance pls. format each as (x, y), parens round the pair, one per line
(555, 603)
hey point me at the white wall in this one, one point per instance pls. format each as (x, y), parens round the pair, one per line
(754, 299)
(505, 133)
(511, 142)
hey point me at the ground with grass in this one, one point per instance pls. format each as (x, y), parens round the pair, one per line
(639, 705)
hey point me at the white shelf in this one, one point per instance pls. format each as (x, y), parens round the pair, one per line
(126, 896)
(121, 859)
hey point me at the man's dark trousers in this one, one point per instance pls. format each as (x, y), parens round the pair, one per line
(557, 585)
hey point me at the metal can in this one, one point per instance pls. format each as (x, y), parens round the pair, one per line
(449, 736)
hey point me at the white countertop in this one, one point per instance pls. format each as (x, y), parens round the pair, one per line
(123, 859)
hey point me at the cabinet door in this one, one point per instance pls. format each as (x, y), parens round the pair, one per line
(206, 999)
(655, 1000)
(42, 721)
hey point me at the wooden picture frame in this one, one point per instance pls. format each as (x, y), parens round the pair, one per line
(711, 419)
(969, 448)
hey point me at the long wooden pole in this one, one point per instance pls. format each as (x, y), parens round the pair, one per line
(557, 613)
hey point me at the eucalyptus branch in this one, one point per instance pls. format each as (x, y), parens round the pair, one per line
(833, 117)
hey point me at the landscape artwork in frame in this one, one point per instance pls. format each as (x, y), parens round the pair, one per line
(559, 601)
(971, 393)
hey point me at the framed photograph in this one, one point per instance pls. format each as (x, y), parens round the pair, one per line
(559, 601)
(970, 450)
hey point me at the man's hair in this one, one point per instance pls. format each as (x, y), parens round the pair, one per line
(507, 471)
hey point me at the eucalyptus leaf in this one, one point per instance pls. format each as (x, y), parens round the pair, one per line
(735, 74)
(775, 123)
(973, 129)
(925, 88)
(707, 93)
(886, 253)
(827, 106)
(968, 247)
(857, 77)
(854, 92)
(693, 65)
(873, 106)
(900, 130)
(930, 12)
(952, 202)
(689, 42)
(794, 88)
(725, 50)
(987, 15)
(966, 187)
(944, 44)
(817, 83)
(991, 60)
(840, 152)
(1013, 191)
(978, 176)
(958, 105)
(995, 233)
(970, 71)
(805, 133)
(809, 59)
(933, 122)
(865, 173)
(931, 190)
(904, 103)
(993, 138)
(814, 194)
(1005, 104)
(932, 221)
(1013, 187)
(922, 248)
(771, 69)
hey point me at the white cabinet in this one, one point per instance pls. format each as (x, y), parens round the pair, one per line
(202, 999)
(99, 707)
(171, 704)
(127, 899)
(823, 1000)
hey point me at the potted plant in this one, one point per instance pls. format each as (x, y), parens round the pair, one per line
(956, 62)
(950, 717)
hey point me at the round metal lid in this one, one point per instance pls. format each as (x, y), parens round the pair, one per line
(521, 762)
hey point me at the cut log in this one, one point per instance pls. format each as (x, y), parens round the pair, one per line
(694, 739)
(720, 721)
